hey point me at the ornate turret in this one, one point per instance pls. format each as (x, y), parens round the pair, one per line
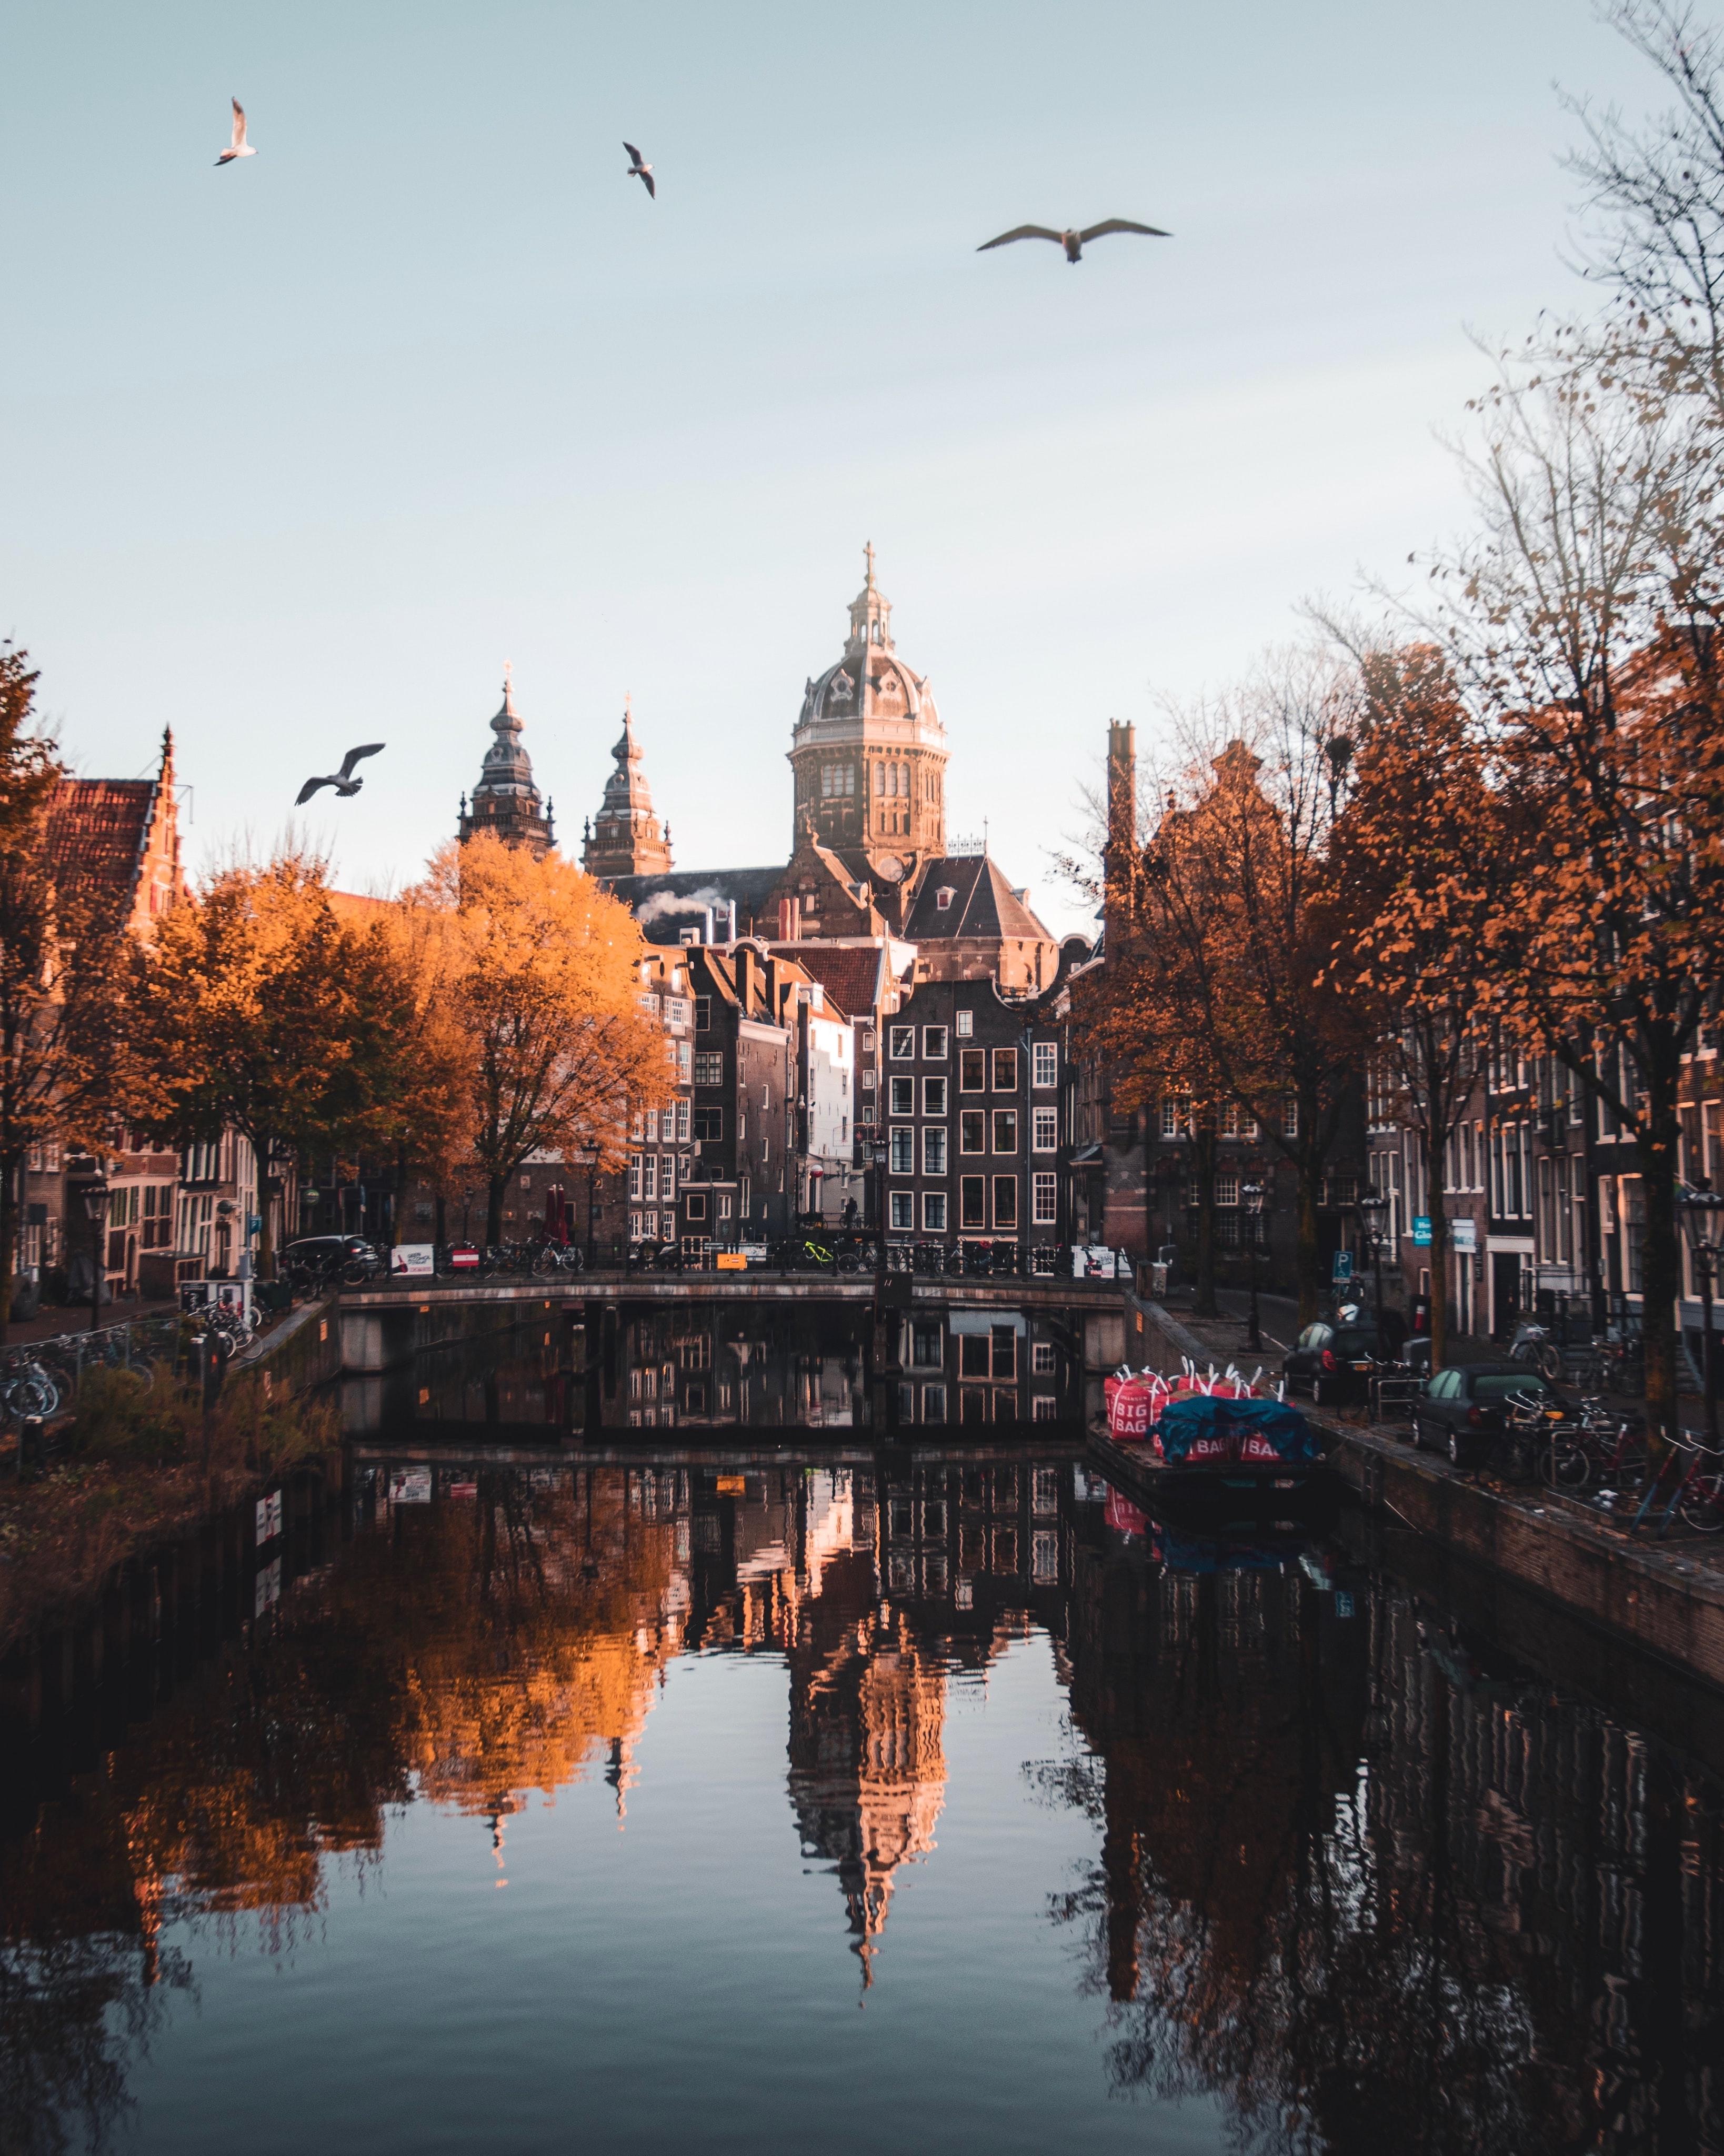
(505, 800)
(625, 840)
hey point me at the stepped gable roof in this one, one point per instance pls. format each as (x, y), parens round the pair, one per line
(983, 903)
(854, 976)
(97, 830)
(665, 905)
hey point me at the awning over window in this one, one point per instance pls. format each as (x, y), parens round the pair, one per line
(984, 1321)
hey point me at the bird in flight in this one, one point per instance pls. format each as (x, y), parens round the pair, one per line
(343, 781)
(239, 147)
(1073, 242)
(640, 170)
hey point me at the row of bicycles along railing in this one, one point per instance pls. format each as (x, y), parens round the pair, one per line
(40, 1378)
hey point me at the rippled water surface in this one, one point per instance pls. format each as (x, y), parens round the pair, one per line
(872, 1799)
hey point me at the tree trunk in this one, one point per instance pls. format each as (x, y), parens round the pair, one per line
(1660, 1257)
(261, 1148)
(11, 1176)
(1202, 1161)
(1307, 1257)
(1437, 1205)
(494, 1187)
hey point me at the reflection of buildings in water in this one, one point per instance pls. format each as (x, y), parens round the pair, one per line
(867, 1773)
(736, 1366)
(1347, 1875)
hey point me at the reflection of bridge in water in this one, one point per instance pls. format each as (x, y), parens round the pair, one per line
(795, 1362)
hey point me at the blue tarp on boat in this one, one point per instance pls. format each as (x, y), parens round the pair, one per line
(1218, 1427)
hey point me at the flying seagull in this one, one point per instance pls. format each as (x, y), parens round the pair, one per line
(1073, 242)
(343, 781)
(239, 147)
(639, 170)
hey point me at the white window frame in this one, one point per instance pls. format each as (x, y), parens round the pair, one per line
(1046, 1065)
(902, 1145)
(1045, 1130)
(933, 1212)
(933, 1044)
(1045, 1198)
(902, 1214)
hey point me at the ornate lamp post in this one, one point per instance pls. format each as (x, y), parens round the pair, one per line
(1703, 1224)
(1373, 1217)
(95, 1196)
(1251, 1197)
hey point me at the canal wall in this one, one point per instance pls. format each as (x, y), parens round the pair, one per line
(1667, 1598)
(373, 1339)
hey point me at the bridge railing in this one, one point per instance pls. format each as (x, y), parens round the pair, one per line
(806, 1256)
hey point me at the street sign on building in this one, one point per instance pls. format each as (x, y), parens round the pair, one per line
(1422, 1230)
(1464, 1233)
(1342, 1269)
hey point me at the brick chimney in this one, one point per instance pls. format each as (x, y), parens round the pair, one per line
(1120, 858)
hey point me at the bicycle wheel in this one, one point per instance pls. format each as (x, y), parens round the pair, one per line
(546, 1261)
(1701, 1504)
(1550, 1361)
(1566, 1467)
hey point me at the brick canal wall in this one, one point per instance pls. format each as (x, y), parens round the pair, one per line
(1668, 1598)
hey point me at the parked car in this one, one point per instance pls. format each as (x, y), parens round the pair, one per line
(332, 1258)
(1335, 1360)
(1464, 1411)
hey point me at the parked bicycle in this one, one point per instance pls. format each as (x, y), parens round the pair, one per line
(26, 1388)
(1690, 1486)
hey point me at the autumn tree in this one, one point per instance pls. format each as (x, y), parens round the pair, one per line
(1243, 892)
(1423, 860)
(1581, 624)
(65, 1068)
(540, 984)
(257, 1006)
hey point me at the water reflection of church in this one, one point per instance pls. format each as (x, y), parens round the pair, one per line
(876, 1583)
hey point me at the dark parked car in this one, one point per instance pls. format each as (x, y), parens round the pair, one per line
(1335, 1360)
(1462, 1413)
(332, 1257)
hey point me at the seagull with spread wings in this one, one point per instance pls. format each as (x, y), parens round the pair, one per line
(1073, 242)
(239, 147)
(343, 781)
(638, 169)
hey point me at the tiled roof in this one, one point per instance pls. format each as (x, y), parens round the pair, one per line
(358, 908)
(852, 976)
(96, 831)
(983, 903)
(665, 905)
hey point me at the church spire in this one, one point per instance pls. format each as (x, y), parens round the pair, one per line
(627, 840)
(505, 801)
(871, 614)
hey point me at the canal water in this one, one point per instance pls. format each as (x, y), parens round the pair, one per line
(726, 1787)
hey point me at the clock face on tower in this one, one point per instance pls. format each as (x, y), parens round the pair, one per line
(889, 868)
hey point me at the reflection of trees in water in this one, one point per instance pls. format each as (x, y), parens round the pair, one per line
(478, 1651)
(75, 2012)
(1375, 1901)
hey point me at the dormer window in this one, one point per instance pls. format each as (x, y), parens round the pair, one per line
(943, 898)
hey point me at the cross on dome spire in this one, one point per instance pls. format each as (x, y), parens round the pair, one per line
(871, 614)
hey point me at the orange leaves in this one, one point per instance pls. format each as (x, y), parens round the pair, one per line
(537, 980)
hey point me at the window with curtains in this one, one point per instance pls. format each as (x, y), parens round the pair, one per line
(903, 1145)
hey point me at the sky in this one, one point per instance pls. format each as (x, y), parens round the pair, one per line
(296, 453)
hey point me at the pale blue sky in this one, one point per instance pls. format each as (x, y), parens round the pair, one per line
(294, 455)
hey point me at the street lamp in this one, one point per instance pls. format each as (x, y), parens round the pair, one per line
(95, 1196)
(1703, 1224)
(1373, 1216)
(1251, 1196)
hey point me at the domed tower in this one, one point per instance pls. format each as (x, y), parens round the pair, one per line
(505, 800)
(624, 838)
(868, 753)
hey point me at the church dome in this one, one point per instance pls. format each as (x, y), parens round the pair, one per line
(869, 680)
